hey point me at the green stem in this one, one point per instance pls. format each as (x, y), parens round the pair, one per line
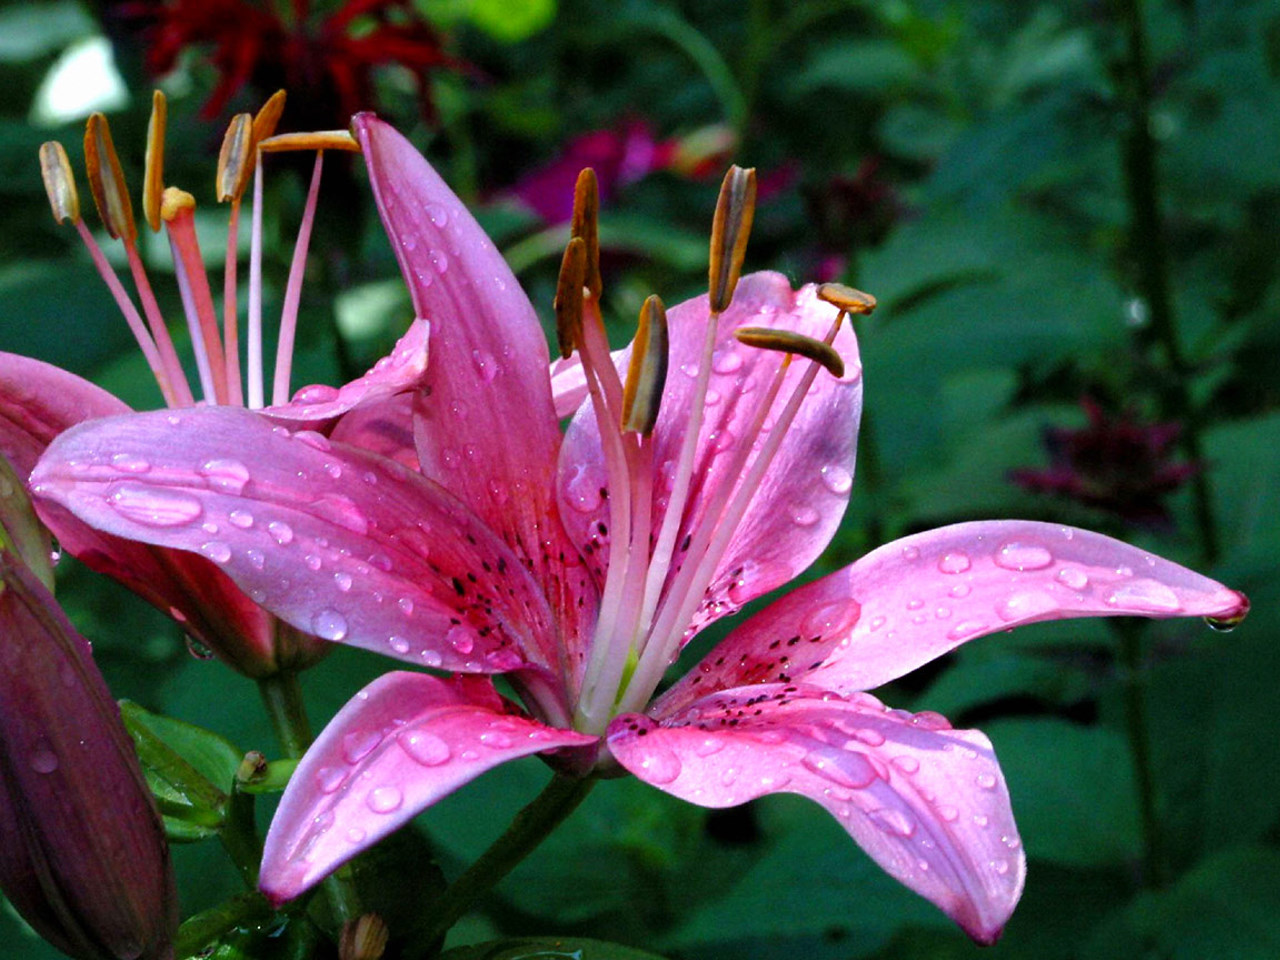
(1153, 846)
(1149, 247)
(531, 826)
(197, 932)
(239, 836)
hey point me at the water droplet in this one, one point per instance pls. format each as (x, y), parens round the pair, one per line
(257, 558)
(948, 813)
(358, 744)
(316, 393)
(154, 508)
(461, 638)
(1223, 624)
(966, 629)
(843, 767)
(893, 822)
(955, 563)
(1073, 577)
(980, 820)
(1026, 605)
(342, 581)
(830, 620)
(130, 463)
(197, 649)
(485, 365)
(583, 490)
(1145, 596)
(726, 361)
(424, 748)
(803, 515)
(281, 532)
(837, 479)
(225, 475)
(398, 644)
(910, 553)
(384, 799)
(723, 440)
(928, 720)
(708, 745)
(356, 835)
(660, 765)
(437, 214)
(313, 561)
(405, 605)
(241, 518)
(334, 470)
(329, 779)
(44, 760)
(906, 764)
(1016, 555)
(915, 603)
(329, 624)
(1000, 866)
(987, 781)
(496, 739)
(440, 260)
(216, 550)
(342, 511)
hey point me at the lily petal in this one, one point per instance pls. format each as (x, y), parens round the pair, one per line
(489, 433)
(802, 496)
(339, 542)
(39, 401)
(382, 426)
(397, 747)
(912, 600)
(402, 369)
(926, 802)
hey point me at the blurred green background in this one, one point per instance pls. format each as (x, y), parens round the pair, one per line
(1069, 213)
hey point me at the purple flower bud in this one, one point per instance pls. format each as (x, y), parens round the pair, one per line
(82, 850)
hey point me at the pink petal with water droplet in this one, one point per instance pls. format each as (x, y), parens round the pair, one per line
(928, 803)
(802, 496)
(489, 433)
(39, 401)
(339, 542)
(402, 369)
(382, 426)
(397, 747)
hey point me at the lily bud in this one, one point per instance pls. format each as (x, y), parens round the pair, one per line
(82, 852)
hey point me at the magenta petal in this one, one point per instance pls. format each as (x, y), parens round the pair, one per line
(341, 543)
(802, 497)
(400, 370)
(489, 432)
(397, 747)
(383, 426)
(913, 600)
(928, 803)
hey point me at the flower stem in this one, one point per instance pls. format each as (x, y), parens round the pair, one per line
(1149, 247)
(239, 837)
(530, 827)
(1131, 633)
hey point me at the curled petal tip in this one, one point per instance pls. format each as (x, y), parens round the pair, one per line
(1232, 617)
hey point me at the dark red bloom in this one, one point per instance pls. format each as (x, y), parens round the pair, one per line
(1117, 463)
(327, 59)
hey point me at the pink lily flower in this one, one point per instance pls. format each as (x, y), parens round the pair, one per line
(38, 400)
(580, 566)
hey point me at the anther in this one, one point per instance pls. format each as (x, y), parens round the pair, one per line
(59, 182)
(569, 297)
(735, 209)
(153, 175)
(647, 374)
(847, 299)
(788, 341)
(234, 158)
(268, 117)
(319, 140)
(586, 224)
(106, 179)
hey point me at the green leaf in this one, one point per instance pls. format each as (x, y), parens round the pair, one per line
(547, 948)
(507, 20)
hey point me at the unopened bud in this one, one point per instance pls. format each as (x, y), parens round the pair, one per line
(647, 374)
(847, 298)
(59, 182)
(788, 341)
(569, 297)
(735, 209)
(586, 224)
(153, 177)
(106, 180)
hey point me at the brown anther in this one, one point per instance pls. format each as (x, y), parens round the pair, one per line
(647, 374)
(175, 202)
(106, 180)
(267, 119)
(586, 224)
(735, 209)
(569, 296)
(847, 298)
(788, 341)
(59, 182)
(235, 161)
(153, 171)
(253, 768)
(318, 140)
(363, 938)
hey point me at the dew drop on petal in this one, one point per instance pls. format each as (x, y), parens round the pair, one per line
(130, 463)
(216, 550)
(987, 781)
(660, 765)
(316, 393)
(43, 760)
(398, 644)
(966, 629)
(329, 624)
(358, 744)
(225, 475)
(803, 515)
(1145, 596)
(461, 638)
(241, 518)
(281, 532)
(1073, 577)
(405, 605)
(197, 649)
(342, 580)
(906, 764)
(496, 739)
(583, 490)
(356, 835)
(910, 553)
(831, 620)
(384, 799)
(424, 748)
(948, 813)
(329, 779)
(257, 558)
(846, 768)
(1025, 605)
(956, 562)
(1017, 555)
(726, 361)
(154, 508)
(708, 745)
(313, 561)
(837, 479)
(960, 590)
(485, 365)
(893, 822)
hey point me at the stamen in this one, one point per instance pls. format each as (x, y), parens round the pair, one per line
(106, 179)
(847, 299)
(178, 212)
(267, 118)
(586, 224)
(647, 374)
(254, 346)
(735, 210)
(153, 177)
(788, 341)
(234, 158)
(293, 289)
(568, 302)
(318, 140)
(59, 182)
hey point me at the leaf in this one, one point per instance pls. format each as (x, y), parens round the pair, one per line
(547, 948)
